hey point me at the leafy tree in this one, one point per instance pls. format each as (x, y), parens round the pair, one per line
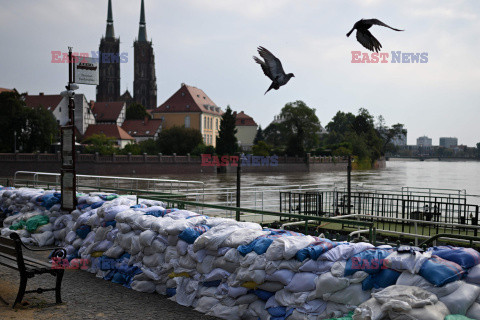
(149, 146)
(36, 129)
(261, 149)
(179, 140)
(132, 148)
(136, 111)
(100, 143)
(203, 149)
(227, 141)
(302, 127)
(259, 136)
(274, 135)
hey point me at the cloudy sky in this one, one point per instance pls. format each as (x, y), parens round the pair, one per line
(209, 44)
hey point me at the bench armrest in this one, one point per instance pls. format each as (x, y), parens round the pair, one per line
(57, 251)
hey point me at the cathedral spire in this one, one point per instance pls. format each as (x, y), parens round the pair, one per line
(110, 32)
(142, 31)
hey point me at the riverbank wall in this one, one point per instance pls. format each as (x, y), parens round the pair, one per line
(95, 164)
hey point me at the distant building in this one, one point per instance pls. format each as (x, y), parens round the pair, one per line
(8, 90)
(424, 141)
(449, 142)
(110, 112)
(110, 130)
(143, 130)
(246, 130)
(192, 108)
(108, 88)
(58, 105)
(145, 81)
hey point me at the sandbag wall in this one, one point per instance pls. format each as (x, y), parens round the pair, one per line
(239, 270)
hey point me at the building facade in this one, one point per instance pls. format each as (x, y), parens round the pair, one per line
(145, 81)
(246, 130)
(448, 142)
(109, 63)
(424, 141)
(192, 108)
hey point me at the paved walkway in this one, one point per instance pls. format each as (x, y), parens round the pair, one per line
(87, 297)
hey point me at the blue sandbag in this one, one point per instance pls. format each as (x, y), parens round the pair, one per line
(97, 204)
(189, 235)
(283, 317)
(440, 272)
(371, 261)
(259, 245)
(171, 292)
(277, 311)
(262, 294)
(465, 257)
(315, 250)
(83, 231)
(383, 279)
(214, 283)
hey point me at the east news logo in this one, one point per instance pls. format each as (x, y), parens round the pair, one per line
(385, 57)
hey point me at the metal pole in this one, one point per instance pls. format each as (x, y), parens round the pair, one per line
(349, 171)
(239, 171)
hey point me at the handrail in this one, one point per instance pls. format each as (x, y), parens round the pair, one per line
(448, 235)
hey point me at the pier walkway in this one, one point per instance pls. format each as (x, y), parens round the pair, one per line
(86, 297)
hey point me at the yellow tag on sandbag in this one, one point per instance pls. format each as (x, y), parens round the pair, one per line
(97, 254)
(181, 274)
(250, 285)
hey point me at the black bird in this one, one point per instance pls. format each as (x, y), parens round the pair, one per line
(365, 37)
(272, 67)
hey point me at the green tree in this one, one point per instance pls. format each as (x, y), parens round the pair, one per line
(274, 135)
(100, 143)
(203, 149)
(179, 140)
(302, 127)
(149, 146)
(136, 111)
(261, 149)
(227, 141)
(36, 129)
(132, 148)
(259, 136)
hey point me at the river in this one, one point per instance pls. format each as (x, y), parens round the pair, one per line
(457, 175)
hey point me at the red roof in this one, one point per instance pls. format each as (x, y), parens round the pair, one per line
(189, 99)
(107, 111)
(110, 130)
(244, 120)
(142, 128)
(6, 90)
(47, 101)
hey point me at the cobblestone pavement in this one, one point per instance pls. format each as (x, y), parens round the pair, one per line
(86, 297)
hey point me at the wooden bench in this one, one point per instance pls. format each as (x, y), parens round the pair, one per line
(11, 256)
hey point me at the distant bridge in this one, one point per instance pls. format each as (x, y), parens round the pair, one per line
(428, 157)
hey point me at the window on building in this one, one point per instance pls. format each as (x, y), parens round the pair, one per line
(187, 121)
(205, 122)
(242, 121)
(217, 124)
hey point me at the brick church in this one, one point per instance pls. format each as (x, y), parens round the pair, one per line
(145, 82)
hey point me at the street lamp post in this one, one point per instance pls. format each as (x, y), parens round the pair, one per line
(349, 184)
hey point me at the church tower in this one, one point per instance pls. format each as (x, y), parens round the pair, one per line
(109, 64)
(145, 82)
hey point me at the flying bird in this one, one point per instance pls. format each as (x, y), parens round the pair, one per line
(272, 67)
(365, 37)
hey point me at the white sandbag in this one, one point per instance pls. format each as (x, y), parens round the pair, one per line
(351, 295)
(459, 301)
(123, 227)
(313, 307)
(77, 243)
(204, 304)
(186, 290)
(171, 254)
(286, 248)
(301, 282)
(182, 247)
(258, 309)
(242, 237)
(345, 251)
(338, 268)
(114, 252)
(143, 286)
(60, 234)
(272, 266)
(428, 312)
(246, 275)
(283, 276)
(217, 274)
(406, 261)
(473, 275)
(415, 280)
(146, 238)
(206, 265)
(158, 246)
(187, 263)
(328, 283)
(369, 310)
(135, 247)
(43, 239)
(236, 292)
(154, 260)
(474, 311)
(44, 228)
(102, 246)
(286, 298)
(271, 286)
(125, 240)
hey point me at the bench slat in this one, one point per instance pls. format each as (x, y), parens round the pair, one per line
(8, 250)
(7, 241)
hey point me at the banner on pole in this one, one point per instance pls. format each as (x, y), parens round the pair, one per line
(85, 70)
